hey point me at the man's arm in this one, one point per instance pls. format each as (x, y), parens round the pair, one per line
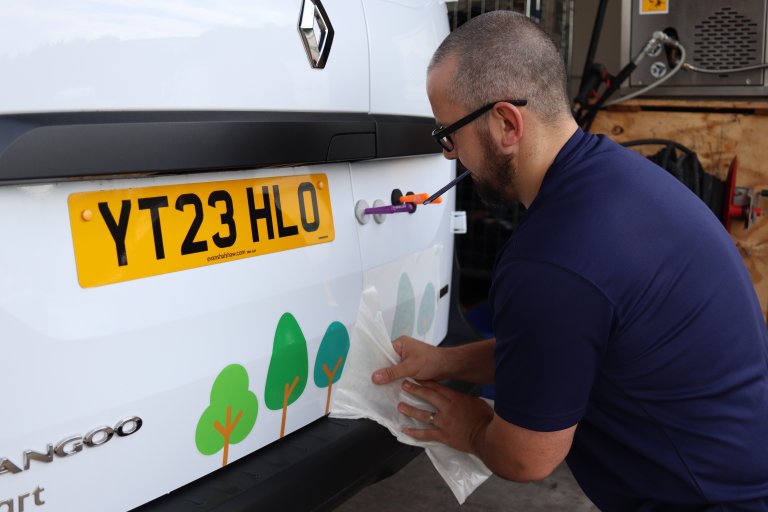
(470, 425)
(519, 454)
(472, 362)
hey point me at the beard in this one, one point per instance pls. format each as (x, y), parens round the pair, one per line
(496, 186)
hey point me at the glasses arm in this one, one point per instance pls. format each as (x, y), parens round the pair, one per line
(439, 134)
(463, 121)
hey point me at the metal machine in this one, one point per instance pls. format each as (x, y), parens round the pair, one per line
(725, 46)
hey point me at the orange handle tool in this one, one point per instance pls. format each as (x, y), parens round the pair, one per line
(418, 198)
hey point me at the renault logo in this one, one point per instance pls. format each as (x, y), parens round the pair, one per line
(316, 32)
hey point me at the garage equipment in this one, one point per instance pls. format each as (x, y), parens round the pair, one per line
(725, 39)
(742, 201)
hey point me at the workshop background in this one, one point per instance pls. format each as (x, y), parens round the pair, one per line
(715, 123)
(706, 129)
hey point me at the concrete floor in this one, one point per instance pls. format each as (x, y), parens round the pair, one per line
(419, 488)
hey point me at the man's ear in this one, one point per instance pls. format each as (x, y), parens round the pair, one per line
(507, 121)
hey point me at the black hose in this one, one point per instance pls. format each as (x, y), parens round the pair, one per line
(615, 84)
(596, 29)
(688, 170)
(661, 142)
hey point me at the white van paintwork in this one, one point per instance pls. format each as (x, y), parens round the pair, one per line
(76, 359)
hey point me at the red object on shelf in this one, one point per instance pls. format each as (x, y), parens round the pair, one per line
(740, 202)
(730, 190)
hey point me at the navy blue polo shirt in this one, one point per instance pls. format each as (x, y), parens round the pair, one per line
(621, 304)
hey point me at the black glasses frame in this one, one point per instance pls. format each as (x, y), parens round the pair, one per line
(442, 134)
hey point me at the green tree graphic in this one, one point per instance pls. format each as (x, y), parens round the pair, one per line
(288, 367)
(426, 310)
(405, 311)
(230, 397)
(331, 357)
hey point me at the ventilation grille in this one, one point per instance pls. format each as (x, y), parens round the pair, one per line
(726, 39)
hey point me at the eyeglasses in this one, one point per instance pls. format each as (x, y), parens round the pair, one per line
(443, 134)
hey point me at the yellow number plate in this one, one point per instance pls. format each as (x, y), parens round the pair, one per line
(139, 232)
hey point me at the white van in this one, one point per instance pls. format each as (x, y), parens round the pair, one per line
(183, 186)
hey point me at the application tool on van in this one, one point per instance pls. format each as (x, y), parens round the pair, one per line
(389, 209)
(446, 188)
(418, 198)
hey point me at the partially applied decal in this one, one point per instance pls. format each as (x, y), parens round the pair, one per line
(426, 310)
(405, 319)
(405, 311)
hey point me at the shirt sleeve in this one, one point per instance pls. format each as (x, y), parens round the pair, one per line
(552, 327)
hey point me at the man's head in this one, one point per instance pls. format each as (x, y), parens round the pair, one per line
(503, 55)
(491, 59)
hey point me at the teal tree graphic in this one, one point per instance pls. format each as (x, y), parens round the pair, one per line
(405, 311)
(331, 357)
(230, 416)
(288, 367)
(426, 310)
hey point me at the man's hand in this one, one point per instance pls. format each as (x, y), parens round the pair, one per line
(469, 424)
(458, 420)
(472, 362)
(418, 360)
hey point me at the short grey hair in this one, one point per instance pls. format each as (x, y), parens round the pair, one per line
(503, 55)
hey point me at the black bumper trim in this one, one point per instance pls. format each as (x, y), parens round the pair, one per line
(314, 469)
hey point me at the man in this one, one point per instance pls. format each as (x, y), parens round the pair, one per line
(629, 340)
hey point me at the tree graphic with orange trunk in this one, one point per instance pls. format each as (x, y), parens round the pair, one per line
(331, 357)
(288, 367)
(231, 415)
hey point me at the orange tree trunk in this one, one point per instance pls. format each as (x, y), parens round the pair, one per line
(226, 431)
(330, 374)
(286, 395)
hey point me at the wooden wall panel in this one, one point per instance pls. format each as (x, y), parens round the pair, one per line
(716, 131)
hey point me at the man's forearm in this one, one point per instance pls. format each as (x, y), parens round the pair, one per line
(472, 362)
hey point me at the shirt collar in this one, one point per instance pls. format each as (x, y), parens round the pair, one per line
(569, 150)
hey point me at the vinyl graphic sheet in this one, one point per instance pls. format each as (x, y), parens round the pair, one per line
(356, 396)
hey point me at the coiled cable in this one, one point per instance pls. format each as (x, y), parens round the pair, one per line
(690, 67)
(678, 66)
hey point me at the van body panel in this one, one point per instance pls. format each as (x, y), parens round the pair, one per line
(177, 55)
(127, 389)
